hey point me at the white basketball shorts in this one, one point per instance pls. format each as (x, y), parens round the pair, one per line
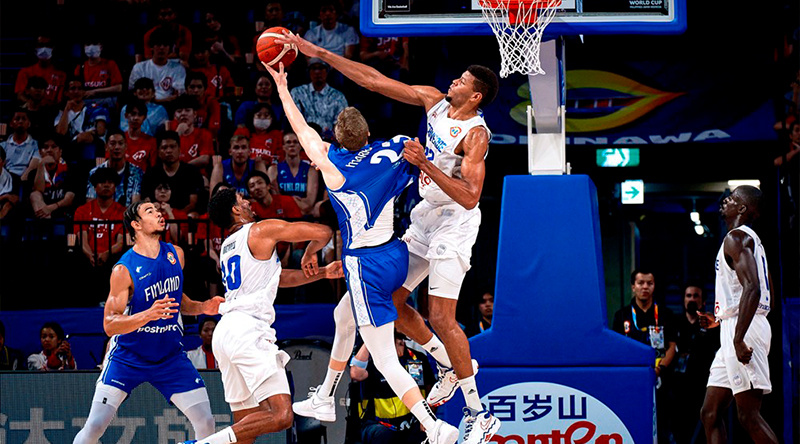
(728, 372)
(440, 241)
(251, 364)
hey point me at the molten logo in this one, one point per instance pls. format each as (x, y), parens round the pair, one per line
(578, 433)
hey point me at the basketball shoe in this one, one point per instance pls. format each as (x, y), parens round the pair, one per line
(442, 433)
(479, 427)
(446, 385)
(316, 406)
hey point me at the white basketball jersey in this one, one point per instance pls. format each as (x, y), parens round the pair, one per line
(729, 289)
(444, 135)
(251, 284)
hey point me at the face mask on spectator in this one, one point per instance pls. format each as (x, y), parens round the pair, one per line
(92, 50)
(262, 124)
(44, 53)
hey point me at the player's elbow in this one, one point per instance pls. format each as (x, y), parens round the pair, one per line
(471, 202)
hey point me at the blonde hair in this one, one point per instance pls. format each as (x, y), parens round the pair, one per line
(351, 129)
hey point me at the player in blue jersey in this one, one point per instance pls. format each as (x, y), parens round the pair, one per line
(363, 181)
(141, 316)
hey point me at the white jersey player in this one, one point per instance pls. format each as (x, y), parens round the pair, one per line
(740, 369)
(252, 367)
(444, 226)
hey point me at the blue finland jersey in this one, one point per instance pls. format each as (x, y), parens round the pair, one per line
(374, 176)
(293, 185)
(230, 178)
(152, 279)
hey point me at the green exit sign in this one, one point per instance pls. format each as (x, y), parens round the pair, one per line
(618, 157)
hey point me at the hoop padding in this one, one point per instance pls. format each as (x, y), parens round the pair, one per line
(519, 26)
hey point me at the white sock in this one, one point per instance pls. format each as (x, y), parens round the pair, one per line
(224, 436)
(422, 411)
(328, 387)
(437, 350)
(470, 390)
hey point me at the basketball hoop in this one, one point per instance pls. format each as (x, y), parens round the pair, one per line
(519, 26)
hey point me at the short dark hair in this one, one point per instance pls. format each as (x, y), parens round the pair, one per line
(22, 111)
(751, 197)
(640, 271)
(195, 75)
(203, 321)
(256, 173)
(695, 284)
(115, 131)
(161, 36)
(485, 83)
(138, 105)
(36, 82)
(167, 135)
(220, 185)
(185, 101)
(73, 78)
(144, 83)
(132, 214)
(351, 129)
(56, 327)
(104, 174)
(44, 136)
(220, 205)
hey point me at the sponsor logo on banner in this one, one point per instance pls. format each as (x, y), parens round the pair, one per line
(544, 412)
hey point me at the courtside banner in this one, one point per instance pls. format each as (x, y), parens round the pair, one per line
(51, 407)
(544, 412)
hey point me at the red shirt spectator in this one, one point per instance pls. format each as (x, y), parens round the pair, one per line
(281, 207)
(97, 234)
(266, 145)
(55, 81)
(104, 73)
(218, 78)
(141, 150)
(167, 17)
(198, 142)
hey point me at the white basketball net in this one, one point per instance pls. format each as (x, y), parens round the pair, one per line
(519, 41)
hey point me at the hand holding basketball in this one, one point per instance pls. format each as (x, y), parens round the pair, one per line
(300, 44)
(272, 50)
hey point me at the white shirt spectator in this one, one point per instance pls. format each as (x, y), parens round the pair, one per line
(334, 40)
(168, 79)
(19, 155)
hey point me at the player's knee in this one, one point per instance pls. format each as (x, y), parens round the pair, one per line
(709, 415)
(285, 419)
(204, 426)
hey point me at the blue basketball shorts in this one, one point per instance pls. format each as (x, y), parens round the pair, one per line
(373, 274)
(174, 375)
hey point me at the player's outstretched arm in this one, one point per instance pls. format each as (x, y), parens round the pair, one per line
(369, 77)
(295, 278)
(190, 307)
(466, 191)
(739, 247)
(310, 140)
(115, 322)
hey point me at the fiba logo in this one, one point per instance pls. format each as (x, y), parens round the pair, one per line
(737, 380)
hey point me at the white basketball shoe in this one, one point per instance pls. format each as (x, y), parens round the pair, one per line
(447, 385)
(320, 407)
(479, 427)
(442, 433)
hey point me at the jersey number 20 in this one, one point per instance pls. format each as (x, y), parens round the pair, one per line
(232, 273)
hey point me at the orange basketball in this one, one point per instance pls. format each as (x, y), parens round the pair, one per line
(271, 52)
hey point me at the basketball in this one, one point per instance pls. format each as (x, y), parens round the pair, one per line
(271, 52)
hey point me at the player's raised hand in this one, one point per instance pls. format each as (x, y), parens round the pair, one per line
(161, 309)
(414, 152)
(309, 263)
(300, 43)
(743, 352)
(333, 270)
(211, 306)
(279, 76)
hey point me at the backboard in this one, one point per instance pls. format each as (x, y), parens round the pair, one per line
(407, 18)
